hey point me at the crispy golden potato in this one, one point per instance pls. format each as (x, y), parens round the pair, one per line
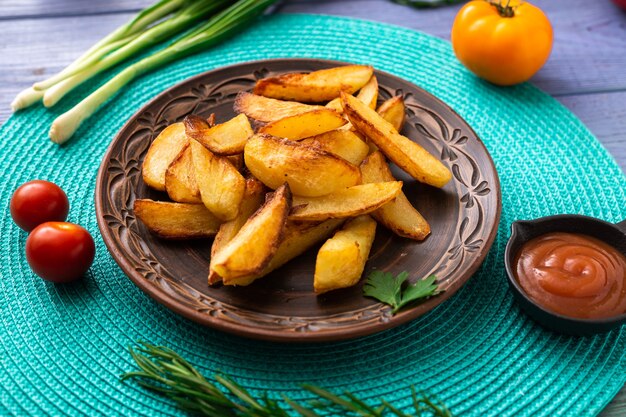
(252, 200)
(341, 260)
(252, 248)
(393, 111)
(405, 153)
(369, 93)
(221, 185)
(335, 104)
(227, 138)
(180, 179)
(398, 215)
(348, 202)
(176, 220)
(163, 150)
(343, 143)
(264, 109)
(316, 86)
(305, 124)
(299, 236)
(309, 170)
(236, 160)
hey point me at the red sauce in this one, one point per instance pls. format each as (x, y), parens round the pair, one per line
(573, 275)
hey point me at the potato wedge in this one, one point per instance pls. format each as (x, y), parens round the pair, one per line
(368, 94)
(305, 124)
(221, 185)
(393, 111)
(180, 179)
(335, 104)
(309, 170)
(398, 215)
(252, 200)
(176, 220)
(227, 138)
(341, 260)
(349, 202)
(299, 237)
(264, 109)
(163, 150)
(316, 86)
(236, 160)
(252, 248)
(343, 143)
(405, 153)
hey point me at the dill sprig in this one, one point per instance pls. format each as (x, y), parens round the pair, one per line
(164, 371)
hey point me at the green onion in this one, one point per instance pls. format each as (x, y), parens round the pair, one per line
(152, 36)
(222, 25)
(115, 39)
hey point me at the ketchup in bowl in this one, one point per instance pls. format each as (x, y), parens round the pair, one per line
(573, 274)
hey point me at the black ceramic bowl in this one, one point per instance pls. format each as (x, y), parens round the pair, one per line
(522, 231)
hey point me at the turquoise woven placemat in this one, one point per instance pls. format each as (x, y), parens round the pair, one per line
(64, 346)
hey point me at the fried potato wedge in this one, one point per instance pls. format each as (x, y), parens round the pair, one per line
(343, 143)
(305, 124)
(349, 202)
(398, 215)
(236, 160)
(369, 93)
(252, 200)
(316, 86)
(227, 138)
(335, 104)
(264, 109)
(176, 220)
(393, 111)
(180, 179)
(309, 170)
(341, 260)
(163, 150)
(221, 185)
(299, 237)
(405, 153)
(252, 248)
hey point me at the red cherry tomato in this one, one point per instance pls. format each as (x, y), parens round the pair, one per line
(60, 251)
(37, 202)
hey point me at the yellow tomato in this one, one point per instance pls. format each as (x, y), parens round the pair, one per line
(503, 42)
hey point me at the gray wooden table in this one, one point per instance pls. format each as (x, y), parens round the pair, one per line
(586, 72)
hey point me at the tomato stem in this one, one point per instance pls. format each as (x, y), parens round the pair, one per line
(504, 10)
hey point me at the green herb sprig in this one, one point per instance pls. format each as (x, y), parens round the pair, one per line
(164, 371)
(391, 290)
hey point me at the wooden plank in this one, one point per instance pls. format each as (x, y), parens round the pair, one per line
(11, 9)
(36, 54)
(589, 53)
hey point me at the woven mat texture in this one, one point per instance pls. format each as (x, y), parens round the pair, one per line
(63, 347)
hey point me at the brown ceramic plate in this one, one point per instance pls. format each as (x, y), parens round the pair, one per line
(463, 215)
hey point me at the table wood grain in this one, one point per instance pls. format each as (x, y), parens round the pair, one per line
(586, 71)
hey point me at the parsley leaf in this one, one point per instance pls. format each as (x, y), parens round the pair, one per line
(388, 289)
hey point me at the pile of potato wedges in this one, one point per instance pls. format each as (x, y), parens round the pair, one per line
(305, 160)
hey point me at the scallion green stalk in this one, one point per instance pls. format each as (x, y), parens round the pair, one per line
(115, 39)
(152, 36)
(138, 24)
(224, 24)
